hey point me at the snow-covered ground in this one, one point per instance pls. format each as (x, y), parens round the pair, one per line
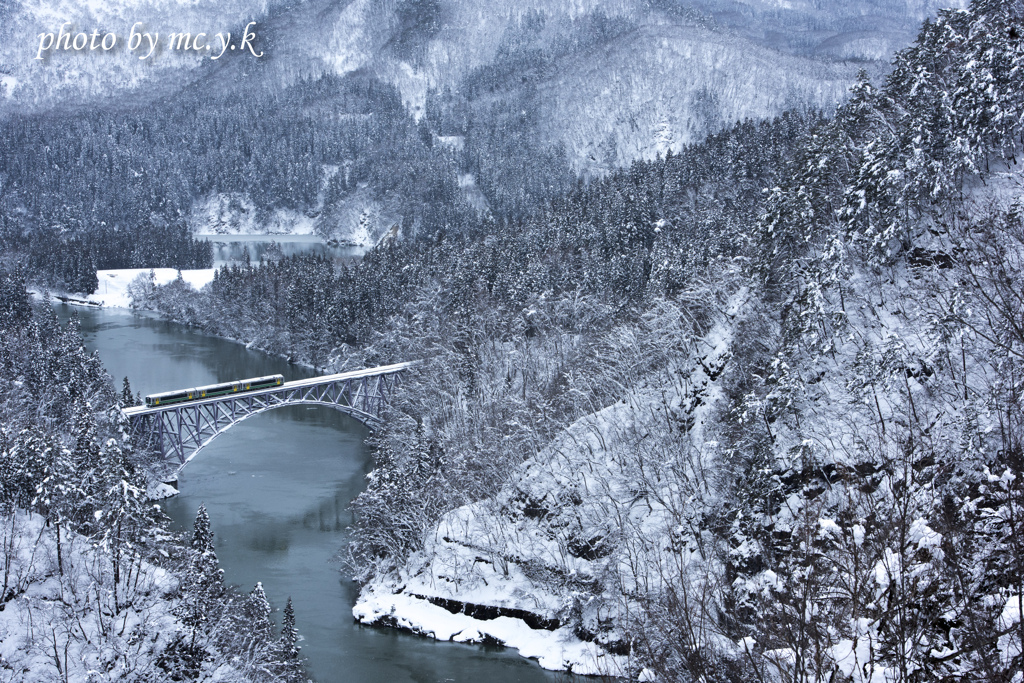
(69, 625)
(356, 219)
(159, 490)
(233, 213)
(113, 284)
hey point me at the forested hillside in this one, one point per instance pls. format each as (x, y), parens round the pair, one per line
(428, 114)
(747, 412)
(95, 586)
(117, 189)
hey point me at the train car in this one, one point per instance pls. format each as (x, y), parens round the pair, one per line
(214, 390)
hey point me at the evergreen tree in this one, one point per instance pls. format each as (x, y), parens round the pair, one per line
(8, 473)
(202, 585)
(289, 634)
(121, 511)
(289, 663)
(257, 612)
(57, 490)
(127, 398)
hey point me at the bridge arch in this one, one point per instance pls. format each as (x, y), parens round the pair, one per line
(366, 419)
(180, 431)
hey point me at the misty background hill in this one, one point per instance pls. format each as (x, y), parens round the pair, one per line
(502, 107)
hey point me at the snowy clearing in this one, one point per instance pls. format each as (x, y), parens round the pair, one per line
(112, 290)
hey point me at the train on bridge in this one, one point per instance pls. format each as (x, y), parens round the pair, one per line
(180, 423)
(214, 390)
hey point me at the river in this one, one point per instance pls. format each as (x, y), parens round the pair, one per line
(229, 249)
(277, 488)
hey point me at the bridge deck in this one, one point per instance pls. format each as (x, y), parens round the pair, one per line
(296, 384)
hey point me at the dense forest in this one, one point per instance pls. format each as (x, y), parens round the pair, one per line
(606, 241)
(94, 582)
(115, 189)
(748, 412)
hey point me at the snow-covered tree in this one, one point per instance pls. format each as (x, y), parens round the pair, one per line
(202, 585)
(289, 643)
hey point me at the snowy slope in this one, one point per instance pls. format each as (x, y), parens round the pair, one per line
(112, 291)
(639, 499)
(664, 86)
(673, 79)
(41, 640)
(552, 548)
(469, 34)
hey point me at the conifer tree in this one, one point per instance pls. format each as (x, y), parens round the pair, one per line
(127, 398)
(203, 583)
(289, 634)
(289, 664)
(257, 613)
(120, 510)
(57, 493)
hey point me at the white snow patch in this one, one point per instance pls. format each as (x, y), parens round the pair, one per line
(290, 222)
(850, 655)
(74, 609)
(7, 85)
(234, 213)
(924, 536)
(1009, 643)
(159, 491)
(558, 650)
(472, 193)
(362, 234)
(224, 213)
(452, 141)
(829, 527)
(113, 284)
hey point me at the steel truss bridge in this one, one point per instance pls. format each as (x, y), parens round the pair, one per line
(179, 431)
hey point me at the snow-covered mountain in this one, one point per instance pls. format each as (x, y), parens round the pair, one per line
(819, 482)
(665, 86)
(614, 79)
(510, 102)
(507, 104)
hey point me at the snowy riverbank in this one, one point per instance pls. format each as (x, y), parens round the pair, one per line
(532, 568)
(557, 650)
